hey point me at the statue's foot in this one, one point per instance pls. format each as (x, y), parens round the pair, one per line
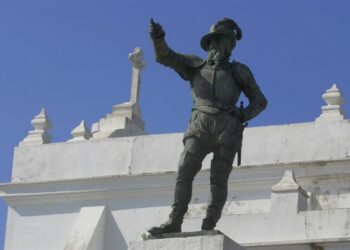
(167, 227)
(207, 227)
(208, 224)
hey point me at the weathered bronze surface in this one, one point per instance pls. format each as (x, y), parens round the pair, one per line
(216, 122)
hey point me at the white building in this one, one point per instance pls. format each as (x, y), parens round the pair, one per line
(104, 188)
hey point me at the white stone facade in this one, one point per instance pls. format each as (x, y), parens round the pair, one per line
(97, 192)
(133, 179)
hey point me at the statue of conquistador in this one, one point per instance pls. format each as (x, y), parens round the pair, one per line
(216, 122)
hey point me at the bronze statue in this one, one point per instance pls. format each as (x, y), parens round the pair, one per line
(216, 122)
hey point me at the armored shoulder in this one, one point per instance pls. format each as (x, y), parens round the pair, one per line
(242, 72)
(246, 80)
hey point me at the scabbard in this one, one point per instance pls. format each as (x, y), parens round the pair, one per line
(239, 152)
(239, 157)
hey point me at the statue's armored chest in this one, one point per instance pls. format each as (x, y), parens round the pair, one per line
(215, 83)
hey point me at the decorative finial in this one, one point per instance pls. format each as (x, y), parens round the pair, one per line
(333, 110)
(288, 182)
(80, 133)
(333, 96)
(41, 124)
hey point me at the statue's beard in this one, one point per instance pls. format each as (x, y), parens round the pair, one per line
(216, 55)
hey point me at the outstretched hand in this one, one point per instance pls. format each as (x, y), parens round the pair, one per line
(156, 31)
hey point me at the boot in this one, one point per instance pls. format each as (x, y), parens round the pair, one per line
(208, 224)
(171, 226)
(189, 166)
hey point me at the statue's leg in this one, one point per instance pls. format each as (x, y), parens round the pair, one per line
(189, 165)
(221, 167)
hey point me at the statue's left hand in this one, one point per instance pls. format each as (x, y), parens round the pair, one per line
(237, 113)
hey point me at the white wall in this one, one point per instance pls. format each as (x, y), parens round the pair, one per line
(284, 144)
(134, 177)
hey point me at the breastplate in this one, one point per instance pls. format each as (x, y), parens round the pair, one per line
(214, 89)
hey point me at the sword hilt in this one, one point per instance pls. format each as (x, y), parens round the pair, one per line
(241, 110)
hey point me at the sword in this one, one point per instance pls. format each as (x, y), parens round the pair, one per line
(244, 124)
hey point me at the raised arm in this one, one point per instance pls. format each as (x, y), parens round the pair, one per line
(257, 100)
(182, 64)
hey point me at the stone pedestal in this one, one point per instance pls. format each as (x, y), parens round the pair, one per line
(203, 240)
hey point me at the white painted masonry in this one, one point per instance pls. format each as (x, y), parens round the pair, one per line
(271, 145)
(291, 192)
(88, 229)
(53, 182)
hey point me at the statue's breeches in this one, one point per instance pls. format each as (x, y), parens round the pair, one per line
(215, 130)
(218, 133)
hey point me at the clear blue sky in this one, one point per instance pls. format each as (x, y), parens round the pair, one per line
(71, 57)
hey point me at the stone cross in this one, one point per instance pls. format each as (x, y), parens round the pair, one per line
(138, 64)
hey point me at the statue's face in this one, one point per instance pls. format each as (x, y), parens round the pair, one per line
(220, 47)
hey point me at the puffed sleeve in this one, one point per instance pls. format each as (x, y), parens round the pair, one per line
(184, 65)
(257, 100)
